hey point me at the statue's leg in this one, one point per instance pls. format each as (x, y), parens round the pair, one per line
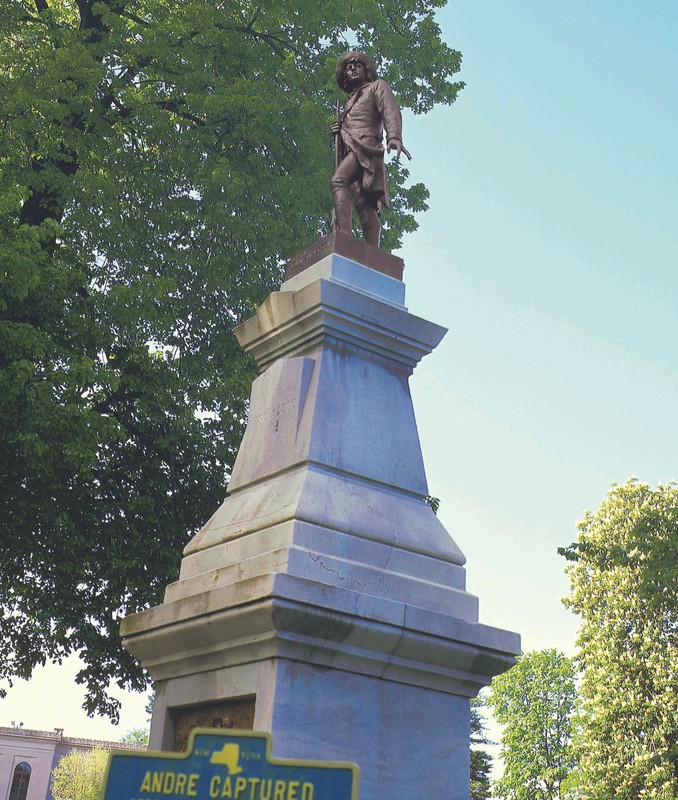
(348, 171)
(366, 206)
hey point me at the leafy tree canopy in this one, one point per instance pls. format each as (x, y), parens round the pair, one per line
(79, 775)
(159, 160)
(136, 736)
(624, 579)
(536, 702)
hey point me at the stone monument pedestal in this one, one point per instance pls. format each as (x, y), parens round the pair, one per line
(324, 602)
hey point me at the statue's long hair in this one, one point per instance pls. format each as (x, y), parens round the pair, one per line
(370, 68)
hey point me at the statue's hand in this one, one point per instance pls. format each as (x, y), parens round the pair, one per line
(336, 127)
(397, 145)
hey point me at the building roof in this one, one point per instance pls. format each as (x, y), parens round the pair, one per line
(68, 741)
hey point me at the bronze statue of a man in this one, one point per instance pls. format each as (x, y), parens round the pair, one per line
(370, 109)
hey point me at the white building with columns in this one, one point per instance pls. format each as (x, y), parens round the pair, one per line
(27, 758)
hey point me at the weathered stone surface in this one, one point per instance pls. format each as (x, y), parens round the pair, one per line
(324, 586)
(404, 731)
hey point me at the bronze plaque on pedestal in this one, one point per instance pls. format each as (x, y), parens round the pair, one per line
(237, 714)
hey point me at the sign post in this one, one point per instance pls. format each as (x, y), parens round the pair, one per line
(226, 764)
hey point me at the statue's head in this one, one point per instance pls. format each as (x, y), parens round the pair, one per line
(364, 59)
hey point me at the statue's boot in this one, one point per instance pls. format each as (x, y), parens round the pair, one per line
(369, 220)
(343, 211)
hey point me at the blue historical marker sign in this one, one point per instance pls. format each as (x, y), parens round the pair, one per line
(226, 764)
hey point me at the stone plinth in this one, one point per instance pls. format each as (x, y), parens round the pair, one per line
(324, 593)
(352, 250)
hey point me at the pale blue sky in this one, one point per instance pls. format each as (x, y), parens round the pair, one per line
(551, 253)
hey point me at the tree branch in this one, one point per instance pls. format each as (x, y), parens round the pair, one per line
(279, 44)
(174, 107)
(133, 17)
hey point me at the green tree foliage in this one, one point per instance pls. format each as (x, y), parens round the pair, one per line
(79, 775)
(624, 585)
(536, 702)
(481, 760)
(136, 736)
(159, 160)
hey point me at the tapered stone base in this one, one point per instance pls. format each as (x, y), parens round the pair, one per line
(325, 593)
